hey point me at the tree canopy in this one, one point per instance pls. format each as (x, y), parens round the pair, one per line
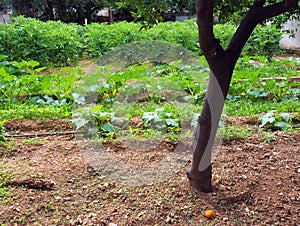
(149, 11)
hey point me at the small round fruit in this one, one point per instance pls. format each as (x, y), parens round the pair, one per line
(209, 214)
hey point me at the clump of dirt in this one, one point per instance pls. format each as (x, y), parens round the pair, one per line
(256, 182)
(45, 125)
(32, 184)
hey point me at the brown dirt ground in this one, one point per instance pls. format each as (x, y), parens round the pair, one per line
(255, 183)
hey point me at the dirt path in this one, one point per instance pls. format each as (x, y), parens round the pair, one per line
(255, 183)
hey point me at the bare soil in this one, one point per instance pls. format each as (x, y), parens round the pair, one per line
(256, 182)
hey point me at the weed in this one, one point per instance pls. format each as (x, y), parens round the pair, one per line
(34, 141)
(269, 139)
(233, 132)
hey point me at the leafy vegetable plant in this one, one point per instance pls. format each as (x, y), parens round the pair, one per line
(276, 121)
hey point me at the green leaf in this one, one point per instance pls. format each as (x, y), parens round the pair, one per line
(96, 108)
(3, 72)
(2, 57)
(172, 122)
(282, 125)
(267, 118)
(108, 127)
(286, 116)
(32, 63)
(258, 93)
(79, 122)
(78, 99)
(149, 117)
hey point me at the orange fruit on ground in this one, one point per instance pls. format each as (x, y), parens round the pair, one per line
(209, 214)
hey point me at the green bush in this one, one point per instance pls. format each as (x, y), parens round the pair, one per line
(52, 42)
(181, 33)
(56, 43)
(102, 37)
(224, 32)
(264, 41)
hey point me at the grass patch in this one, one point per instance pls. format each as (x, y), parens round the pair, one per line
(246, 107)
(233, 132)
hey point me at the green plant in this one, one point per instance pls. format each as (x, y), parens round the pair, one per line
(56, 43)
(273, 120)
(269, 139)
(18, 78)
(24, 83)
(233, 132)
(2, 132)
(252, 79)
(51, 42)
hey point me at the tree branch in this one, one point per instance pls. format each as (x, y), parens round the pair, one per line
(276, 9)
(256, 15)
(259, 3)
(208, 43)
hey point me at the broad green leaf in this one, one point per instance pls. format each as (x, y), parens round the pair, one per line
(282, 125)
(172, 122)
(2, 57)
(32, 63)
(108, 127)
(3, 72)
(286, 116)
(267, 118)
(96, 108)
(78, 99)
(79, 122)
(149, 117)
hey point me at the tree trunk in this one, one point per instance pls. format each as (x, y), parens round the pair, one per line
(49, 10)
(221, 63)
(200, 172)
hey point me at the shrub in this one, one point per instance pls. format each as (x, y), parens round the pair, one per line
(48, 43)
(100, 38)
(57, 43)
(264, 41)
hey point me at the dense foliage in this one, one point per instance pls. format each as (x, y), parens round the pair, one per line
(48, 43)
(149, 12)
(58, 43)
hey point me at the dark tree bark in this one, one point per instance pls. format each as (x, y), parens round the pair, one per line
(49, 10)
(221, 62)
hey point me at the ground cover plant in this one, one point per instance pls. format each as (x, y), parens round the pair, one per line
(41, 93)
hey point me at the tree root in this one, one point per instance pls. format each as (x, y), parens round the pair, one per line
(201, 181)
